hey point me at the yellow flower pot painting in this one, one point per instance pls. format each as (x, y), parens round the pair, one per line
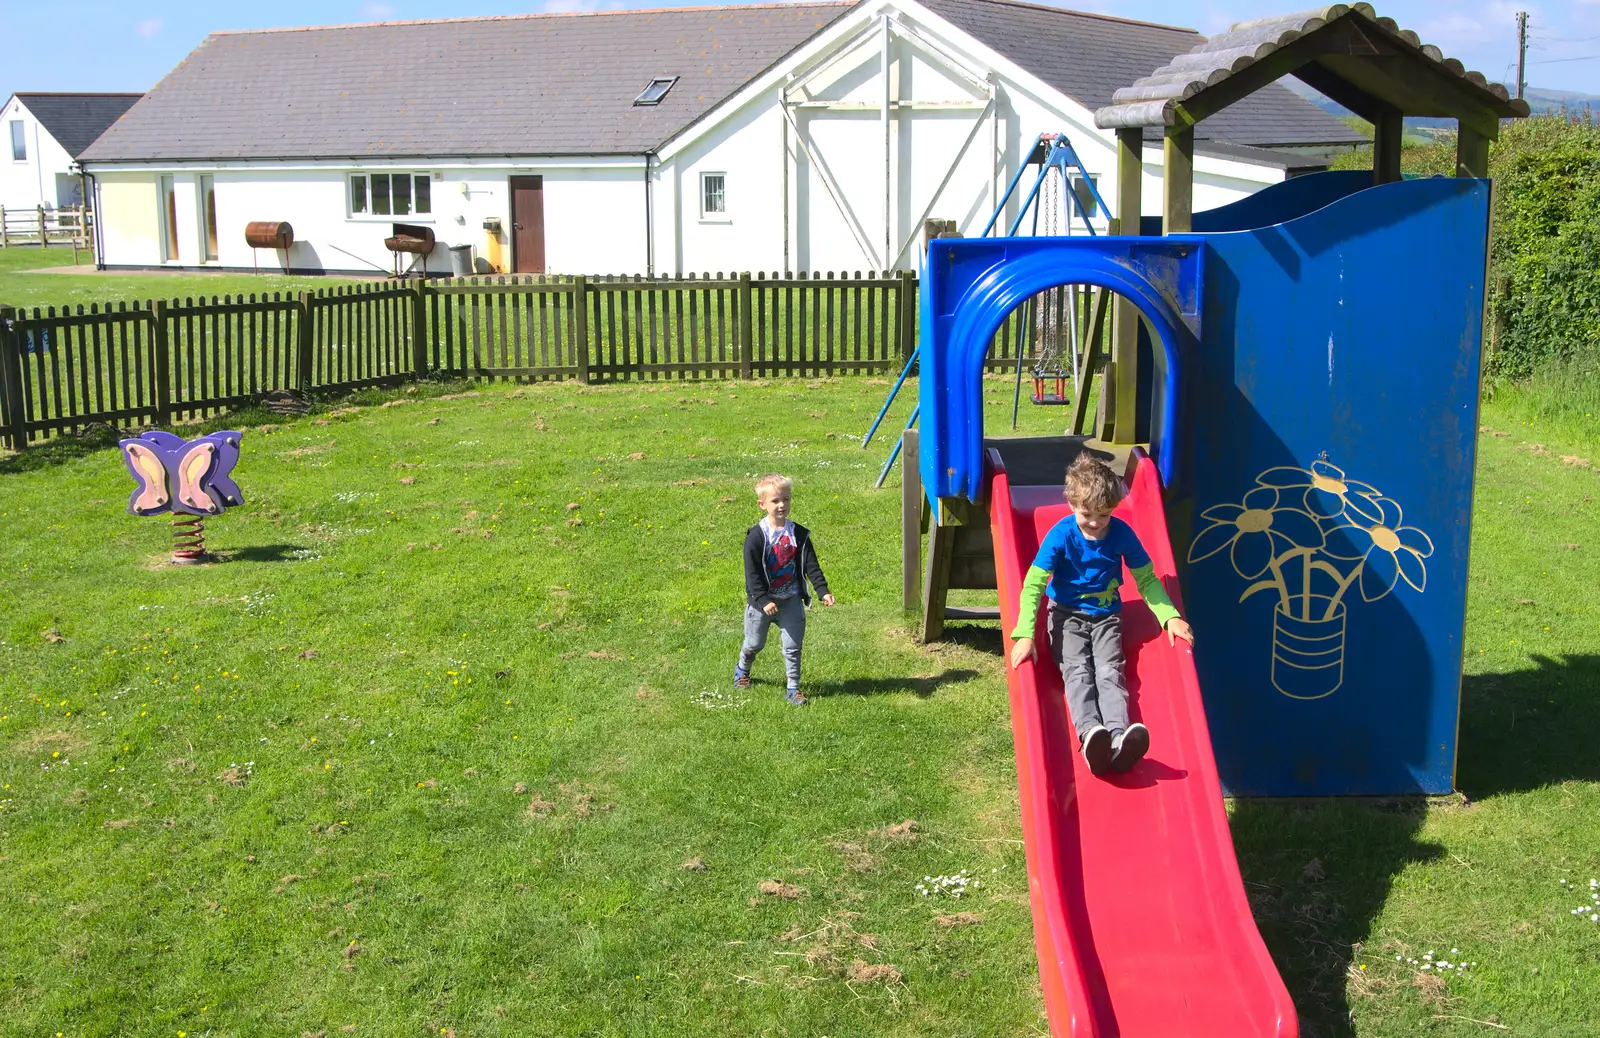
(1312, 535)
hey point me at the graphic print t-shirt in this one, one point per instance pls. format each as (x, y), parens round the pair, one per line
(1085, 574)
(783, 570)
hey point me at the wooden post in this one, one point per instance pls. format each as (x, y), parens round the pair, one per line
(1091, 352)
(1472, 152)
(4, 239)
(13, 408)
(305, 335)
(908, 314)
(1177, 180)
(580, 333)
(1121, 379)
(419, 331)
(936, 589)
(747, 325)
(1388, 134)
(163, 362)
(910, 523)
(44, 239)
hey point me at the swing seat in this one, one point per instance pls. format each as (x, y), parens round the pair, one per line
(1050, 399)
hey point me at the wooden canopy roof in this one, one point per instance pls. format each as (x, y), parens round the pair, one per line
(1366, 63)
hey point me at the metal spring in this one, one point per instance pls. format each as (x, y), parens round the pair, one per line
(189, 540)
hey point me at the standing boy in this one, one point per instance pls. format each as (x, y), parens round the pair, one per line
(777, 552)
(1080, 565)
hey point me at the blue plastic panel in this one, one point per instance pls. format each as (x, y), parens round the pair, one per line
(970, 285)
(1337, 388)
(1279, 203)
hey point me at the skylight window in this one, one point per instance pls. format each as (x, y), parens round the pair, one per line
(656, 90)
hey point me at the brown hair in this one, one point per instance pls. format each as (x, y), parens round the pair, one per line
(1092, 485)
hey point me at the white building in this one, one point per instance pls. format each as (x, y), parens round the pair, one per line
(44, 134)
(794, 136)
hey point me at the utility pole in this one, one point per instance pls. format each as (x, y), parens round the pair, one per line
(1522, 51)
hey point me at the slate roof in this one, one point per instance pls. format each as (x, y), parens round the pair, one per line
(75, 120)
(1089, 57)
(551, 85)
(517, 85)
(1152, 99)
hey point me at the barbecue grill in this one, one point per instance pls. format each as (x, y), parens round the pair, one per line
(416, 239)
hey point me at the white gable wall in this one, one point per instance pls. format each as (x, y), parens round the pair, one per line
(31, 182)
(745, 139)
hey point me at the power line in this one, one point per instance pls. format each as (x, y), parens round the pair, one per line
(1557, 61)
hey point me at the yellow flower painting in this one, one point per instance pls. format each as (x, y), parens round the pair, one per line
(1310, 535)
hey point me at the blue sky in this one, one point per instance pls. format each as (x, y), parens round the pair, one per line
(131, 44)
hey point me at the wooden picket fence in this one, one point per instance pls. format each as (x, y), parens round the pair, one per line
(167, 361)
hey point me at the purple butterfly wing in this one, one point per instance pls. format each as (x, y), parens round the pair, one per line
(151, 496)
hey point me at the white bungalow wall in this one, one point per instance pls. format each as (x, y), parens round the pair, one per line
(594, 216)
(44, 178)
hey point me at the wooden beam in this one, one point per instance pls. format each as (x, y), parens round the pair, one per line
(1177, 180)
(1091, 352)
(1248, 80)
(1388, 135)
(1472, 152)
(1416, 89)
(1121, 373)
(911, 506)
(1336, 88)
(935, 590)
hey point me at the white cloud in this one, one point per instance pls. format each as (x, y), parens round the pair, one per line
(377, 12)
(148, 28)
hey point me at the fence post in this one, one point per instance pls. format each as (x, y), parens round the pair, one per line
(163, 361)
(419, 331)
(44, 239)
(908, 314)
(747, 338)
(580, 329)
(13, 409)
(302, 345)
(3, 238)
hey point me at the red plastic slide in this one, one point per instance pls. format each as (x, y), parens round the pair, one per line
(1139, 914)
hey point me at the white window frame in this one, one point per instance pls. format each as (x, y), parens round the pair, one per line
(1098, 215)
(713, 216)
(16, 126)
(368, 216)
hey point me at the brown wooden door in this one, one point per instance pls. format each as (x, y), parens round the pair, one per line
(527, 225)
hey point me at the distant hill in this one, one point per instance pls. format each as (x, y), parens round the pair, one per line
(1540, 100)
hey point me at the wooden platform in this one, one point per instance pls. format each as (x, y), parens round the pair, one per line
(960, 553)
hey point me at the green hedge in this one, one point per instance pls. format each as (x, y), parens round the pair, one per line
(1544, 299)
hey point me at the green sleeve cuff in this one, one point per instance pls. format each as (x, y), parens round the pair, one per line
(1033, 586)
(1154, 595)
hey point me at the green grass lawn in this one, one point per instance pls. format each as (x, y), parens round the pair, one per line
(446, 744)
(21, 285)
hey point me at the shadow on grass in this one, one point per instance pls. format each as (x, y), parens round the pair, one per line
(261, 553)
(922, 687)
(1530, 728)
(1318, 873)
(984, 637)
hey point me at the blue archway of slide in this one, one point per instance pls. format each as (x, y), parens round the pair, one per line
(1318, 360)
(970, 285)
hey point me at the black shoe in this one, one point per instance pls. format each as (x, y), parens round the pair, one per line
(1129, 748)
(1097, 750)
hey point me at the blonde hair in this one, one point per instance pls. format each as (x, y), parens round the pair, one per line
(1092, 485)
(773, 481)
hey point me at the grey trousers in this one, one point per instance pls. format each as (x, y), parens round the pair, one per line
(791, 621)
(1088, 649)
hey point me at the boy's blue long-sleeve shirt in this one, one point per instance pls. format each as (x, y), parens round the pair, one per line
(1083, 575)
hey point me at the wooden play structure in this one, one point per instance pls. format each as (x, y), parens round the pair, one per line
(1292, 395)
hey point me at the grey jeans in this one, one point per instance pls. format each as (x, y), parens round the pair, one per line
(1088, 649)
(791, 621)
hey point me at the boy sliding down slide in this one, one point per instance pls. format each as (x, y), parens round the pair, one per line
(1080, 566)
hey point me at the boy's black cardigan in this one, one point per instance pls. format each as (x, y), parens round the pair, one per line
(758, 585)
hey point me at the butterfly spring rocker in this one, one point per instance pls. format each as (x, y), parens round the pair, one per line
(192, 479)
